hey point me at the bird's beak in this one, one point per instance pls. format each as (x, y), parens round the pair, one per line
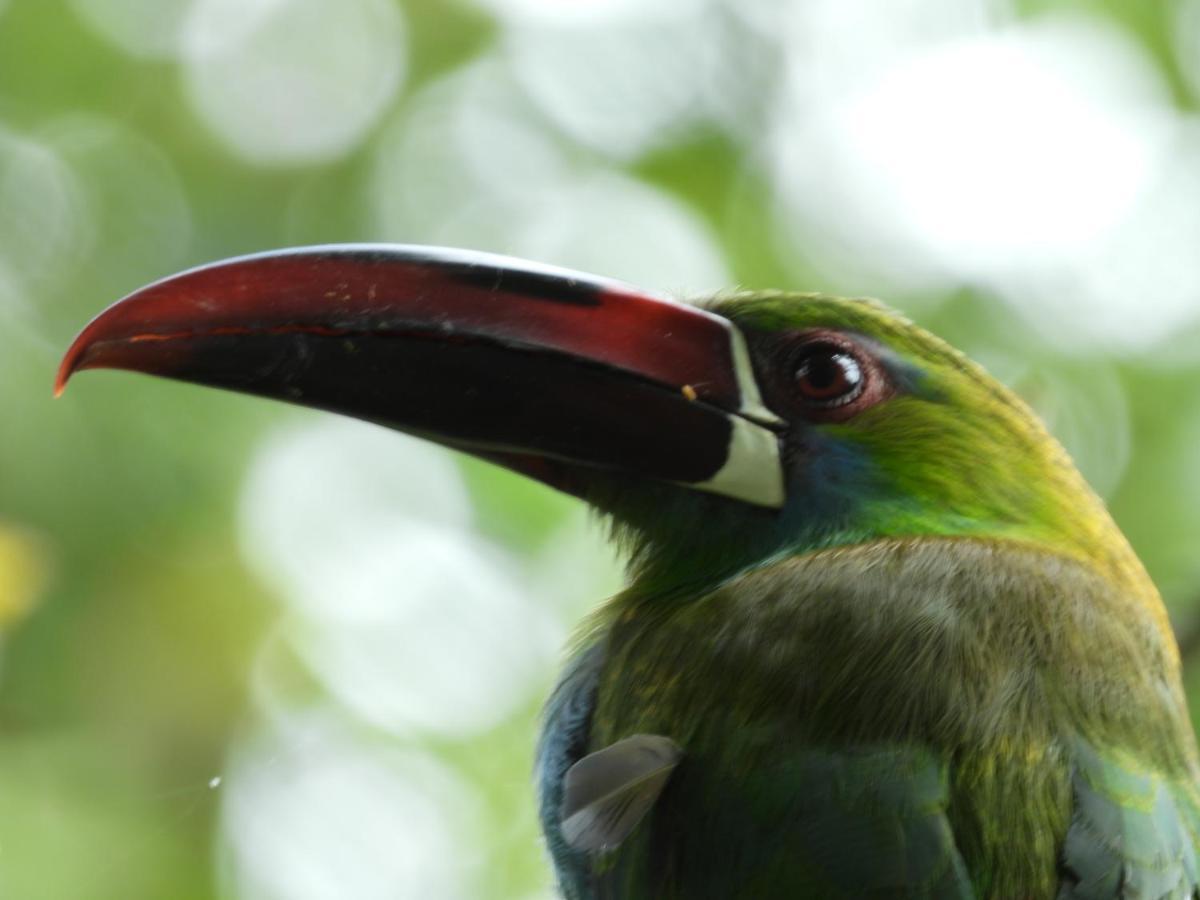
(550, 372)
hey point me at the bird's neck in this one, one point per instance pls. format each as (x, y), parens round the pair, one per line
(952, 642)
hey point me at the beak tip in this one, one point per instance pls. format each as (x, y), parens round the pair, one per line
(74, 360)
(64, 375)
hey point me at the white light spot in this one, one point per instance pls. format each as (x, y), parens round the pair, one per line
(589, 12)
(434, 185)
(767, 17)
(1019, 159)
(402, 611)
(1140, 283)
(132, 187)
(304, 84)
(317, 492)
(992, 148)
(149, 29)
(309, 814)
(43, 212)
(471, 136)
(453, 645)
(218, 26)
(623, 85)
(885, 35)
(622, 228)
(829, 221)
(214, 782)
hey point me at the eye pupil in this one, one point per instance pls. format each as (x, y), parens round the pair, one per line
(825, 372)
(829, 376)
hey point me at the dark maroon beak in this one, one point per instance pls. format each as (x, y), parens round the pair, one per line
(548, 371)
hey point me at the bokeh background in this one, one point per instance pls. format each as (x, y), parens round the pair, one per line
(255, 652)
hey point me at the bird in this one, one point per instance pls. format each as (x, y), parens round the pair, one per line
(878, 637)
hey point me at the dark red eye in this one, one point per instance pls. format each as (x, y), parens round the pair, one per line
(828, 376)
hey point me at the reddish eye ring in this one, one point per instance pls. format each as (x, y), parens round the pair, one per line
(827, 376)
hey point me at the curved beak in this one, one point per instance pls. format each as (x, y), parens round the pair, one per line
(550, 372)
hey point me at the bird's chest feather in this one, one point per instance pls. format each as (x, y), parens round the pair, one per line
(882, 722)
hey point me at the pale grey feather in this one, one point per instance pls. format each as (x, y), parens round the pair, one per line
(607, 793)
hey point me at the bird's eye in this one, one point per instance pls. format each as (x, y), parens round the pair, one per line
(828, 376)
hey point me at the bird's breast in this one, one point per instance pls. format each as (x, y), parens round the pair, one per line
(846, 691)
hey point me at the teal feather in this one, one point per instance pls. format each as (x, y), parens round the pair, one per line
(1132, 833)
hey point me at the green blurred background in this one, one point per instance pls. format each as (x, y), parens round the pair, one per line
(254, 652)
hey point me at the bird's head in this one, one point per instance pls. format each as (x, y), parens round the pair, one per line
(715, 437)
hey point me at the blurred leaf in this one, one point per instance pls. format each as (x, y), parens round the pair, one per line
(24, 571)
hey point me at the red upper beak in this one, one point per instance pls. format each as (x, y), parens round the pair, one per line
(549, 371)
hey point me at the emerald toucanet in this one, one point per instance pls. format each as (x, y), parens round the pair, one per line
(879, 638)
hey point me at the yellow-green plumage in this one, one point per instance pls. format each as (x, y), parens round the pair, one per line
(939, 672)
